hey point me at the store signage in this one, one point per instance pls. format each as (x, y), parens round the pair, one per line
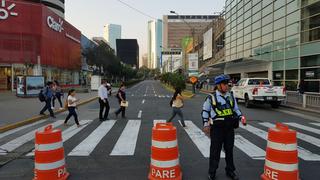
(53, 24)
(310, 74)
(6, 10)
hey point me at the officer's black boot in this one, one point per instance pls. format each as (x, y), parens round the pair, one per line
(212, 176)
(232, 175)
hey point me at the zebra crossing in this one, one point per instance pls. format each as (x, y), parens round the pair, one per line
(125, 145)
(151, 95)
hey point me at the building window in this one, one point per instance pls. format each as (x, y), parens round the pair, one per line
(266, 20)
(280, 12)
(291, 85)
(310, 10)
(293, 17)
(256, 25)
(267, 38)
(280, 23)
(310, 23)
(292, 41)
(310, 73)
(267, 10)
(278, 75)
(292, 64)
(312, 86)
(292, 29)
(293, 6)
(309, 61)
(292, 52)
(256, 17)
(279, 3)
(267, 29)
(311, 35)
(278, 55)
(279, 34)
(278, 44)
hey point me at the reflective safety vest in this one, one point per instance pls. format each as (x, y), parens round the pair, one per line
(222, 111)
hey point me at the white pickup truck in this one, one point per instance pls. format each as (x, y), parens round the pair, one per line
(259, 90)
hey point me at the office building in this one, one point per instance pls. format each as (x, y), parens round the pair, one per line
(128, 51)
(111, 33)
(154, 43)
(178, 27)
(57, 6)
(276, 39)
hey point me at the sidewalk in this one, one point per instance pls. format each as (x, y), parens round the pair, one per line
(14, 109)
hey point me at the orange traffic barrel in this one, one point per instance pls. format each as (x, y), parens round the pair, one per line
(164, 153)
(281, 156)
(49, 155)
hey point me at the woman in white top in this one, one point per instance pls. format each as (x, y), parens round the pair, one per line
(72, 105)
(177, 104)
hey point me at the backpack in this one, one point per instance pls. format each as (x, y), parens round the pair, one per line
(41, 95)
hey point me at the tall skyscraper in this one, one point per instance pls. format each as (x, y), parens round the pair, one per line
(111, 33)
(154, 43)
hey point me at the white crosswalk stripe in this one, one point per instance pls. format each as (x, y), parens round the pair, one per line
(303, 127)
(70, 132)
(14, 144)
(303, 153)
(199, 139)
(88, 145)
(316, 124)
(126, 144)
(303, 137)
(249, 148)
(20, 128)
(158, 121)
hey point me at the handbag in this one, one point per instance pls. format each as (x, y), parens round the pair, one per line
(124, 104)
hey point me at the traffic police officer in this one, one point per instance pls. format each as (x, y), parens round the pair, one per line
(221, 115)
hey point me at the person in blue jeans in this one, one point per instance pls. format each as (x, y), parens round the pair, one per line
(72, 105)
(48, 94)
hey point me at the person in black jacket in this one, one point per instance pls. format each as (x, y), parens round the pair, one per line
(121, 95)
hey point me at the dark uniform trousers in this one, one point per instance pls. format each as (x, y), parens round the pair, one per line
(221, 134)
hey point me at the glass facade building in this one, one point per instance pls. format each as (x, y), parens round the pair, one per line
(283, 33)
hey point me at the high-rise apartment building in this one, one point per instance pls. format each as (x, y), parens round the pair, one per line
(154, 43)
(277, 39)
(111, 33)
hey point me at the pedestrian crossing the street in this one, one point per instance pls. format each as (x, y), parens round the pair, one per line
(130, 135)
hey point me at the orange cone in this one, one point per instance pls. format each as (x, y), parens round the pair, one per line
(49, 155)
(164, 153)
(281, 155)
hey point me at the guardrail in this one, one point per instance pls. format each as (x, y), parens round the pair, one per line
(305, 100)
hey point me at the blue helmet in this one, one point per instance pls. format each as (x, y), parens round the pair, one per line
(221, 78)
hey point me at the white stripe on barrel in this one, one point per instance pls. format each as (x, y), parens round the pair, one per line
(49, 147)
(281, 167)
(281, 146)
(49, 166)
(164, 144)
(165, 164)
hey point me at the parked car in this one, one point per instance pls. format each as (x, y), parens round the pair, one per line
(259, 90)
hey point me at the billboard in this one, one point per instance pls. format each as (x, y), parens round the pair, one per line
(171, 60)
(207, 44)
(34, 84)
(193, 61)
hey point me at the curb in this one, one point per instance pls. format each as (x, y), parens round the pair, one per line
(39, 117)
(172, 90)
(299, 108)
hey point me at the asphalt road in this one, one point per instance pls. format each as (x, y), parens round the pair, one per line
(119, 149)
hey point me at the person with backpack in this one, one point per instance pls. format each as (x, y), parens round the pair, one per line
(121, 96)
(46, 96)
(72, 105)
(221, 115)
(57, 94)
(177, 104)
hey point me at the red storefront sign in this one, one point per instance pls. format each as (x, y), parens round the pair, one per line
(30, 30)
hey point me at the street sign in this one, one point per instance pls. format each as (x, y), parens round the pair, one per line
(193, 79)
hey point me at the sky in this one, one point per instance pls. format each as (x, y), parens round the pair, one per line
(89, 16)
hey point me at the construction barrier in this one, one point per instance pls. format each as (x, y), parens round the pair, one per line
(49, 155)
(281, 156)
(164, 153)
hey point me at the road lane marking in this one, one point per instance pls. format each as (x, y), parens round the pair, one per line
(139, 114)
(249, 148)
(14, 144)
(199, 139)
(88, 145)
(143, 101)
(316, 124)
(20, 128)
(158, 121)
(303, 137)
(303, 153)
(306, 128)
(126, 144)
(70, 132)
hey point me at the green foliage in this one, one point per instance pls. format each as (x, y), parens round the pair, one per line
(175, 80)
